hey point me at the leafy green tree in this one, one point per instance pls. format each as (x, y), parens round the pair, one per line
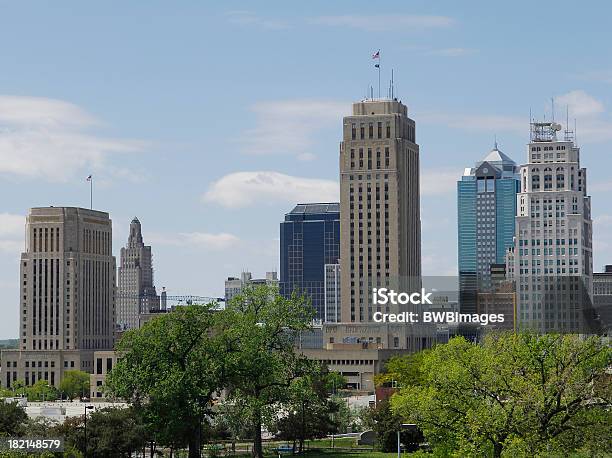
(403, 370)
(18, 388)
(386, 423)
(12, 419)
(42, 391)
(260, 326)
(115, 432)
(73, 432)
(40, 427)
(75, 384)
(519, 394)
(171, 368)
(308, 412)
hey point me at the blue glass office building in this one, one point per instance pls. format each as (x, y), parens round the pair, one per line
(486, 210)
(309, 239)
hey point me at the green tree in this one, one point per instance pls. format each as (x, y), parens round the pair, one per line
(260, 326)
(514, 394)
(386, 423)
(42, 391)
(403, 370)
(171, 368)
(18, 388)
(115, 432)
(75, 384)
(308, 412)
(12, 419)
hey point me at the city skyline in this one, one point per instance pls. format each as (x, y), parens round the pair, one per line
(198, 144)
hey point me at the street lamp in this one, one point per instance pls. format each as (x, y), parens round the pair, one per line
(86, 409)
(403, 426)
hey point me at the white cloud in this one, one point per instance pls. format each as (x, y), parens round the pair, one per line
(580, 104)
(242, 189)
(248, 18)
(203, 240)
(452, 52)
(435, 182)
(594, 124)
(11, 233)
(290, 126)
(384, 22)
(50, 139)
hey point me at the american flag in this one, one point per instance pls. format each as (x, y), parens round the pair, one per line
(89, 178)
(376, 55)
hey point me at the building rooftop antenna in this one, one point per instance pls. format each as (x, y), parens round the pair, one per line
(575, 132)
(552, 108)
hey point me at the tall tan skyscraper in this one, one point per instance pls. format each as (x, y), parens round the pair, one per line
(380, 222)
(67, 294)
(136, 292)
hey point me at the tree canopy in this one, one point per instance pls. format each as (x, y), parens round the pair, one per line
(75, 384)
(260, 326)
(513, 394)
(172, 367)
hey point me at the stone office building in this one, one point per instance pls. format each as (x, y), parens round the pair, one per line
(66, 297)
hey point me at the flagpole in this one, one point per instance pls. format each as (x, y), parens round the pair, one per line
(91, 193)
(379, 59)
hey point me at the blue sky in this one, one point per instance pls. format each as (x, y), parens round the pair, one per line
(209, 121)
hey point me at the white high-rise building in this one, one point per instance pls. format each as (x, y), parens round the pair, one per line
(553, 252)
(332, 293)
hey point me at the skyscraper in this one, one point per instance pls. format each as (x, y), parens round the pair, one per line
(309, 241)
(486, 209)
(553, 254)
(379, 205)
(136, 291)
(67, 295)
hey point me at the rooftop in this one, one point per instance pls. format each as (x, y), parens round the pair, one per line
(497, 156)
(315, 208)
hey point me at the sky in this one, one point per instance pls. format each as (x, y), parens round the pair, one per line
(210, 120)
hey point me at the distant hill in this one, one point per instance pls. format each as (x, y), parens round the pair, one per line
(9, 343)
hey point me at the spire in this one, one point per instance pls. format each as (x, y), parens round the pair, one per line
(135, 238)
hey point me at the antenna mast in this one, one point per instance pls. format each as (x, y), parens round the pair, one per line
(552, 107)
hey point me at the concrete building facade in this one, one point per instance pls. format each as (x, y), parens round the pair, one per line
(234, 285)
(553, 252)
(333, 293)
(379, 205)
(67, 295)
(136, 292)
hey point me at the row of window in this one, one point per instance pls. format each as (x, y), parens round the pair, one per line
(362, 130)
